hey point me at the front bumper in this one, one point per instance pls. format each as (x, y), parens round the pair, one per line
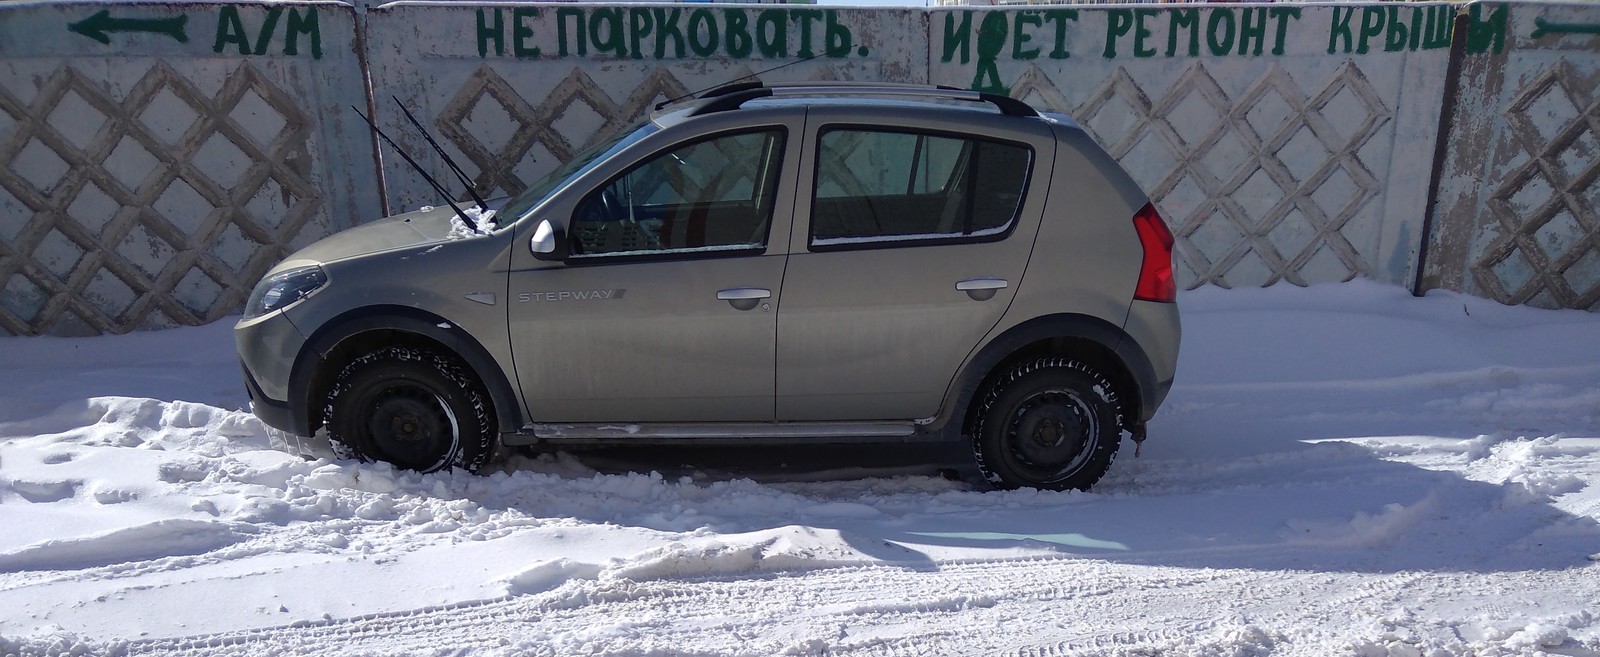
(281, 431)
(268, 347)
(274, 413)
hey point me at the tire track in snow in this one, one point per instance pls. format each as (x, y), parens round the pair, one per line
(1099, 642)
(256, 540)
(1226, 594)
(878, 609)
(1380, 586)
(305, 637)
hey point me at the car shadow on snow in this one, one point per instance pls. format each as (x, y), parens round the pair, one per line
(1319, 506)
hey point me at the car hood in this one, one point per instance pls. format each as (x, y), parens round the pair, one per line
(420, 228)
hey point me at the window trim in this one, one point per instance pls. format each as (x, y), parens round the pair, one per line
(687, 253)
(910, 241)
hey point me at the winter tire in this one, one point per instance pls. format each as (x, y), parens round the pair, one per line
(1051, 423)
(411, 407)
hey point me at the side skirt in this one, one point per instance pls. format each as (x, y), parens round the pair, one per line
(724, 432)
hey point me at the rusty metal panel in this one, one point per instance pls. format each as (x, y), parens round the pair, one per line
(514, 90)
(1281, 143)
(1519, 205)
(156, 159)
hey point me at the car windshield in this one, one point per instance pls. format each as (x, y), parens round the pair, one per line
(541, 189)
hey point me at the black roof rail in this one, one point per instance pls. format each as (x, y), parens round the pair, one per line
(715, 101)
(731, 87)
(719, 90)
(732, 96)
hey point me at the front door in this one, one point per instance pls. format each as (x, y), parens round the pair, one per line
(666, 309)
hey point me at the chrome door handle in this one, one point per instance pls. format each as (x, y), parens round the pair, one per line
(744, 298)
(738, 293)
(982, 288)
(981, 284)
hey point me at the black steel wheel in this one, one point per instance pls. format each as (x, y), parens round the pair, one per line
(411, 407)
(1050, 423)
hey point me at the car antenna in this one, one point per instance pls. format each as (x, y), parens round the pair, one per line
(448, 161)
(436, 186)
(692, 94)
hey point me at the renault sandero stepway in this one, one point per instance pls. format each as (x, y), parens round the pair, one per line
(809, 262)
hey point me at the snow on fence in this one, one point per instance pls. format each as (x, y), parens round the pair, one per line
(156, 158)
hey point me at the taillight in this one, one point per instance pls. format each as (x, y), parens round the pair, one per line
(1155, 275)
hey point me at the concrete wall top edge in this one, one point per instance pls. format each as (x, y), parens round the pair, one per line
(976, 8)
(1587, 4)
(456, 4)
(205, 29)
(33, 4)
(646, 3)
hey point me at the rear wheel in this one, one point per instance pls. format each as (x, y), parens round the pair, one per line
(1050, 423)
(412, 407)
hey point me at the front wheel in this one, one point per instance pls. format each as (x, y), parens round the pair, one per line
(412, 407)
(1050, 423)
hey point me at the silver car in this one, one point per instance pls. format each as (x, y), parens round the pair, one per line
(818, 262)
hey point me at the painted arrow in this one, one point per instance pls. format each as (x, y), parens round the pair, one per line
(96, 26)
(1543, 27)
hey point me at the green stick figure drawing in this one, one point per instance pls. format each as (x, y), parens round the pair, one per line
(991, 40)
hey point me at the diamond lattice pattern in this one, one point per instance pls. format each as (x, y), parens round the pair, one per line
(161, 208)
(1546, 251)
(511, 140)
(1258, 187)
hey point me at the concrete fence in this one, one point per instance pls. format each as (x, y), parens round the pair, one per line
(515, 90)
(1280, 142)
(156, 158)
(1518, 212)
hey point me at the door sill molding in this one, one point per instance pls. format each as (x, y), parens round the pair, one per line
(609, 432)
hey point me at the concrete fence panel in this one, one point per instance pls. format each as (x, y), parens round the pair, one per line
(1281, 143)
(515, 90)
(156, 159)
(1518, 215)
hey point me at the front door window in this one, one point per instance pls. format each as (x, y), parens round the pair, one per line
(710, 196)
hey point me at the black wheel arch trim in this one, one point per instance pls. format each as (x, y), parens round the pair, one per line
(1065, 325)
(410, 320)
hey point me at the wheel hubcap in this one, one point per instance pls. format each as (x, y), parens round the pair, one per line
(411, 427)
(1052, 431)
(405, 427)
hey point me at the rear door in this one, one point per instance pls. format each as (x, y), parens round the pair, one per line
(908, 245)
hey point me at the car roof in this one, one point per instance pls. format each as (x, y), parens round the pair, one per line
(882, 97)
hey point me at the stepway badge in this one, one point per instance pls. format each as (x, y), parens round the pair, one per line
(571, 295)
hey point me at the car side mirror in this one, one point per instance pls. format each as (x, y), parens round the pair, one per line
(549, 241)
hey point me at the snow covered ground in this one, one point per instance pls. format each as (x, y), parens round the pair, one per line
(1341, 470)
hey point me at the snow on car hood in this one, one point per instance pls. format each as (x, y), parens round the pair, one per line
(426, 226)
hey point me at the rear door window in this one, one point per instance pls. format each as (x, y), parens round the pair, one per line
(893, 188)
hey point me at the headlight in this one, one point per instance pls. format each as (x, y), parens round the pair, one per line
(282, 289)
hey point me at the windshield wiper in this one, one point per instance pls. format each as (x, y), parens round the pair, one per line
(448, 161)
(471, 220)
